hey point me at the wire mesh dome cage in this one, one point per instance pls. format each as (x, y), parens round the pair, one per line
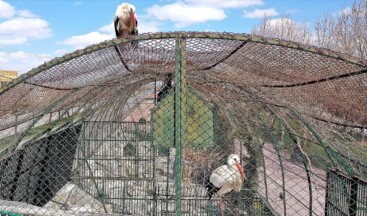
(136, 126)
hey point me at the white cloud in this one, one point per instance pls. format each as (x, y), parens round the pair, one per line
(149, 26)
(81, 41)
(283, 21)
(106, 32)
(345, 11)
(109, 28)
(77, 3)
(6, 40)
(61, 52)
(22, 61)
(184, 14)
(285, 28)
(225, 3)
(3, 58)
(21, 25)
(7, 11)
(25, 27)
(18, 27)
(260, 13)
(188, 12)
(27, 14)
(348, 11)
(144, 26)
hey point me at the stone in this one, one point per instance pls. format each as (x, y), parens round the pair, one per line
(71, 197)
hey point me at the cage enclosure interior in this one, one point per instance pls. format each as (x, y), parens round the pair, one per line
(122, 128)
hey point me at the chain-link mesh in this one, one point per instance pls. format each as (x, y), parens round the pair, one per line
(150, 128)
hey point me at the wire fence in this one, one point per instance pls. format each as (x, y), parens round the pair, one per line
(165, 126)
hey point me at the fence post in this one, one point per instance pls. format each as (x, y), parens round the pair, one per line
(179, 113)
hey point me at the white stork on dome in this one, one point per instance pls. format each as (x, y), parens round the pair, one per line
(125, 21)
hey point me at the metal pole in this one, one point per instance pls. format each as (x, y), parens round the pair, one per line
(179, 110)
(16, 124)
(155, 91)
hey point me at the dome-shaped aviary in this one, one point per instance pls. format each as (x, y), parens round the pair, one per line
(137, 125)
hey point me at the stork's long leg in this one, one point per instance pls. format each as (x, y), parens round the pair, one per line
(221, 205)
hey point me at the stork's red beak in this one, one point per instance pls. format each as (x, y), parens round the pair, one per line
(133, 18)
(239, 167)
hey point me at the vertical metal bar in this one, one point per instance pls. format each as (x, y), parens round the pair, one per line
(353, 197)
(177, 128)
(154, 155)
(101, 198)
(124, 193)
(276, 147)
(327, 195)
(179, 110)
(155, 91)
(283, 180)
(264, 168)
(16, 124)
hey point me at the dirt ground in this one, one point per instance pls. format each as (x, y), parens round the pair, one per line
(296, 196)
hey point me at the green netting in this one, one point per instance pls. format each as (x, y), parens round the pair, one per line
(199, 117)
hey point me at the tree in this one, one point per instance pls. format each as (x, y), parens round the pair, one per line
(346, 31)
(284, 28)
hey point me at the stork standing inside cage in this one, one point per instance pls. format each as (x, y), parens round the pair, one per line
(226, 178)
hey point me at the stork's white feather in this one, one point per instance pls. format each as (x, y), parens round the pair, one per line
(125, 20)
(227, 177)
(223, 175)
(124, 9)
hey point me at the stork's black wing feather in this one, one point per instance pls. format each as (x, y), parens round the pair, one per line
(116, 23)
(136, 29)
(211, 189)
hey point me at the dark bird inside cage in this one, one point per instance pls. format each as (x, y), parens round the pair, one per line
(226, 178)
(125, 21)
(166, 87)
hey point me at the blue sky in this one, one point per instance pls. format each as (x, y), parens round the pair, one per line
(34, 31)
